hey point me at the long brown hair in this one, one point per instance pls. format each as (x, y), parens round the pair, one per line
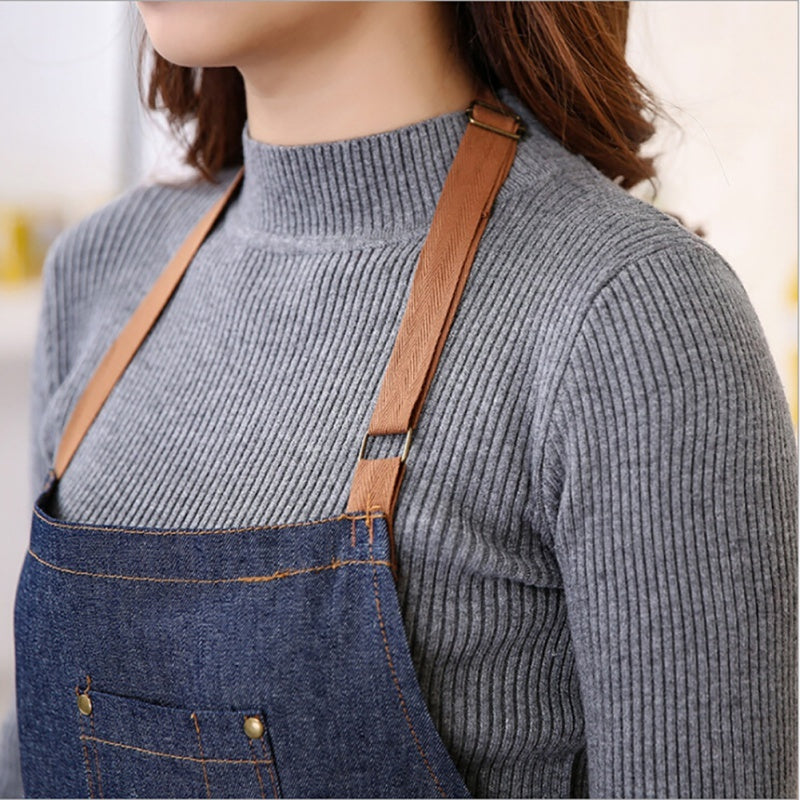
(566, 60)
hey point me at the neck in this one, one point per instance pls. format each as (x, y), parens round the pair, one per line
(386, 65)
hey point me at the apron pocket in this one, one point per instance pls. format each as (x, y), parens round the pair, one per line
(135, 748)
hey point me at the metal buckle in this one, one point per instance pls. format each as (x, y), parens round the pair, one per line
(515, 117)
(405, 447)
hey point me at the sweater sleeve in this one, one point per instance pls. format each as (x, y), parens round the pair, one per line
(675, 528)
(44, 379)
(44, 372)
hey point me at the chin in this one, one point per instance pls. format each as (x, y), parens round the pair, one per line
(220, 33)
(191, 34)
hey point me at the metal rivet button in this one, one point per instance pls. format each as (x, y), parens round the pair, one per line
(253, 727)
(84, 704)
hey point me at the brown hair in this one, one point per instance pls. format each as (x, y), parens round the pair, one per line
(566, 60)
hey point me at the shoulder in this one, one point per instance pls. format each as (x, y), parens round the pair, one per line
(606, 281)
(556, 207)
(574, 234)
(98, 268)
(123, 241)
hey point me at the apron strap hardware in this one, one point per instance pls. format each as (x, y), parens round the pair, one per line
(516, 117)
(406, 446)
(480, 167)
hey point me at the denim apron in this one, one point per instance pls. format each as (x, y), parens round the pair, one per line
(247, 662)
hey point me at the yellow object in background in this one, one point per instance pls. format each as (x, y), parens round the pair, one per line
(25, 237)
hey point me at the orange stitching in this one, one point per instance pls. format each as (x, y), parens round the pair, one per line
(89, 779)
(175, 755)
(255, 764)
(273, 779)
(396, 680)
(96, 753)
(373, 512)
(178, 532)
(353, 533)
(202, 755)
(289, 573)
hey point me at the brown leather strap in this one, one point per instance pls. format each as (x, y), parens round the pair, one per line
(481, 164)
(121, 351)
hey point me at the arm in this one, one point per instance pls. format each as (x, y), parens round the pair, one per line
(43, 384)
(10, 774)
(676, 532)
(45, 375)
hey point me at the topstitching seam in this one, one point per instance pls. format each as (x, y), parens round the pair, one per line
(400, 697)
(176, 756)
(202, 754)
(287, 573)
(180, 532)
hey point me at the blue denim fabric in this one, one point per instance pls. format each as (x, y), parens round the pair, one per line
(178, 636)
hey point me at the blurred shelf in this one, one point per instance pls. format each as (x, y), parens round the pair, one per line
(19, 314)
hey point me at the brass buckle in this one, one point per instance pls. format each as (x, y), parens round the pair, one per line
(405, 447)
(515, 117)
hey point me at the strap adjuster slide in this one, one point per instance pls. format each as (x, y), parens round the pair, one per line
(516, 117)
(406, 447)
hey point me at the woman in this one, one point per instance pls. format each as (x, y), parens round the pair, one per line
(594, 545)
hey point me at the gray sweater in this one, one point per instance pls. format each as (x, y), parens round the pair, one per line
(597, 530)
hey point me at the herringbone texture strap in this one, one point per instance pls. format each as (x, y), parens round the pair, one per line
(479, 168)
(122, 350)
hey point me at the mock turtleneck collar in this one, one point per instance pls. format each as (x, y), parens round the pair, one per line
(383, 186)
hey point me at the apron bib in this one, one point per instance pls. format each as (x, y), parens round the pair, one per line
(251, 662)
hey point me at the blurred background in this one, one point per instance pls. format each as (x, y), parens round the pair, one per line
(74, 136)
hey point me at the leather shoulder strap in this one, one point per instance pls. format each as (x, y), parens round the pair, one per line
(121, 351)
(480, 167)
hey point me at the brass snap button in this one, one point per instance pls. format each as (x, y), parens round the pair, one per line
(253, 727)
(84, 704)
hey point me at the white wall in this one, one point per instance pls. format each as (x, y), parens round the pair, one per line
(61, 65)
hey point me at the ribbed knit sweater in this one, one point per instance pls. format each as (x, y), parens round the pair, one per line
(597, 529)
